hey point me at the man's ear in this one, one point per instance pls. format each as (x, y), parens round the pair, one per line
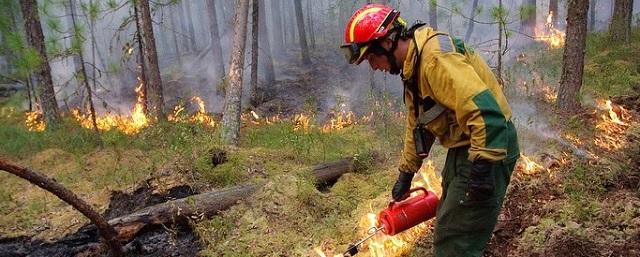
(386, 43)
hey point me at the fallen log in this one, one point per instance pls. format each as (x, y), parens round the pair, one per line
(209, 203)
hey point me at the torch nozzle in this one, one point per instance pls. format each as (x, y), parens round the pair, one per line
(353, 248)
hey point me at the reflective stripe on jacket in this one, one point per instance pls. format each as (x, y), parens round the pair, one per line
(461, 81)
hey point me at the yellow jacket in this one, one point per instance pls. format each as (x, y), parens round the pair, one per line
(460, 81)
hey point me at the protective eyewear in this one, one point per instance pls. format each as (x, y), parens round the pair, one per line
(354, 53)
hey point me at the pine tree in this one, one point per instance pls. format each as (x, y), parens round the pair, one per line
(35, 37)
(304, 49)
(433, 14)
(573, 57)
(154, 87)
(216, 49)
(265, 45)
(233, 98)
(254, 53)
(83, 78)
(474, 8)
(620, 27)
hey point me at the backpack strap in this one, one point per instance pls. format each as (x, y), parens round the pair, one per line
(412, 83)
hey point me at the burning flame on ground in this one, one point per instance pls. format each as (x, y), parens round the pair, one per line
(550, 94)
(528, 166)
(613, 125)
(340, 121)
(382, 245)
(549, 34)
(301, 122)
(35, 120)
(199, 117)
(128, 125)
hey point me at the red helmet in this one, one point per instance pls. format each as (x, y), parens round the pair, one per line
(370, 22)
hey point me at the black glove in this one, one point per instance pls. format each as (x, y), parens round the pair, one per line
(402, 186)
(481, 181)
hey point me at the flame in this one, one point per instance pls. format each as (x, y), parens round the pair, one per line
(383, 245)
(201, 115)
(138, 118)
(528, 166)
(613, 124)
(613, 116)
(35, 120)
(549, 34)
(176, 114)
(301, 122)
(341, 120)
(550, 94)
(128, 125)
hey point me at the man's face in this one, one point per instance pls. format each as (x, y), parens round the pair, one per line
(377, 59)
(378, 62)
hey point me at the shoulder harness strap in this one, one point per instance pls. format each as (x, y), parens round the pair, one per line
(428, 102)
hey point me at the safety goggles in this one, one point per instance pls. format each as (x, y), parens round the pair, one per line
(354, 53)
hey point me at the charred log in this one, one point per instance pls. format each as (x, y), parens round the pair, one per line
(210, 203)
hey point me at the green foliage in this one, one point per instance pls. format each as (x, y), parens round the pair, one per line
(526, 11)
(91, 9)
(223, 175)
(29, 62)
(499, 13)
(312, 146)
(611, 68)
(112, 4)
(54, 24)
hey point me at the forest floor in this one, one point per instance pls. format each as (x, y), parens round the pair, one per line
(575, 192)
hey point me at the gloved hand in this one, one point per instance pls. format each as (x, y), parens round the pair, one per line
(481, 181)
(402, 186)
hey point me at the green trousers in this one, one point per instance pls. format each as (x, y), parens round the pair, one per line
(463, 227)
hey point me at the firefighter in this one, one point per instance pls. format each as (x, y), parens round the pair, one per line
(452, 95)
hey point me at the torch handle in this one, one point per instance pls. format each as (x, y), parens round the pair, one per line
(424, 190)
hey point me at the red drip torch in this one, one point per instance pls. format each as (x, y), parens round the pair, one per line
(400, 216)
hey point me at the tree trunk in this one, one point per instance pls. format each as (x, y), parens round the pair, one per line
(573, 57)
(70, 24)
(254, 53)
(154, 88)
(474, 6)
(174, 34)
(553, 9)
(42, 181)
(433, 14)
(620, 27)
(592, 15)
(500, 31)
(33, 29)
(83, 71)
(210, 203)
(276, 23)
(528, 19)
(216, 48)
(189, 21)
(301, 33)
(141, 63)
(266, 57)
(94, 51)
(233, 98)
(312, 36)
